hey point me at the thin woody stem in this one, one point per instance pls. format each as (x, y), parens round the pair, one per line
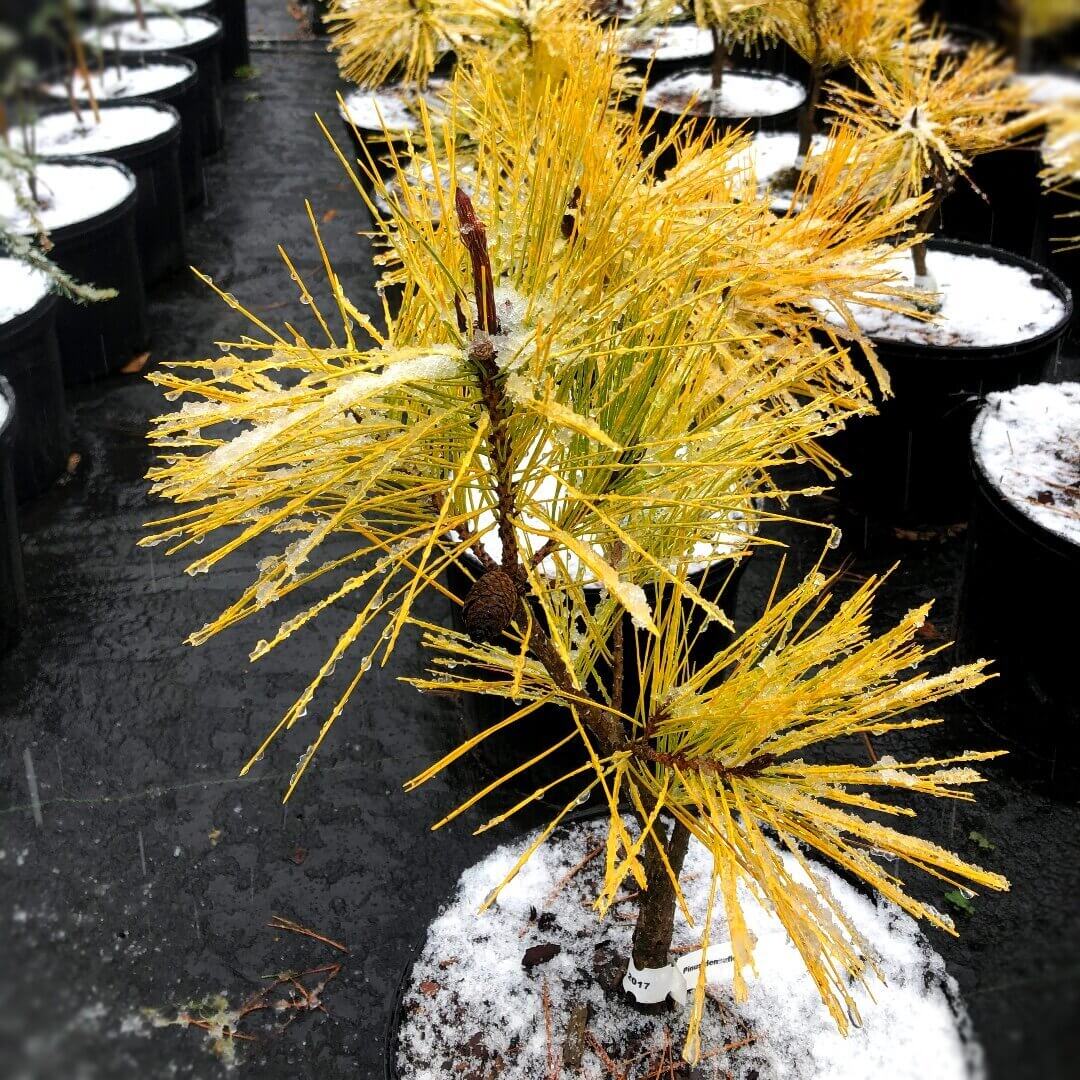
(656, 910)
(720, 57)
(941, 184)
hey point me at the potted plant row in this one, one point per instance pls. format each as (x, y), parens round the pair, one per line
(591, 373)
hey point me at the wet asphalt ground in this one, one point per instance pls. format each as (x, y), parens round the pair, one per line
(149, 878)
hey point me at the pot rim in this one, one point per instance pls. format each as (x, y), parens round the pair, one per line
(15, 327)
(910, 350)
(1008, 512)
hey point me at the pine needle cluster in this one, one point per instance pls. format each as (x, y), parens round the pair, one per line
(593, 382)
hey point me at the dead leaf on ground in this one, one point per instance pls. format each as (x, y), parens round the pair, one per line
(329, 216)
(540, 954)
(135, 364)
(429, 987)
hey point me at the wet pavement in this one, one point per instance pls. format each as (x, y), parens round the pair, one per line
(149, 877)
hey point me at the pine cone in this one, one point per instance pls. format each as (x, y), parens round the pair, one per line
(491, 605)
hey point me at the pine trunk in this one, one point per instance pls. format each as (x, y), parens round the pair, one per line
(656, 911)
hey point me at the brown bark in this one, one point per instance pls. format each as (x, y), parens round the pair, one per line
(720, 59)
(808, 113)
(656, 910)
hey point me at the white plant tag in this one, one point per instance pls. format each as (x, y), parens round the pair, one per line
(651, 985)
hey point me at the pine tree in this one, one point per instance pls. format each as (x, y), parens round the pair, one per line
(576, 391)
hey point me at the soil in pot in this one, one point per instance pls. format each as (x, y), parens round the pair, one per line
(1023, 569)
(171, 80)
(88, 209)
(12, 584)
(196, 37)
(37, 450)
(1001, 324)
(493, 994)
(145, 137)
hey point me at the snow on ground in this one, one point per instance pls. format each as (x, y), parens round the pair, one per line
(1027, 442)
(470, 984)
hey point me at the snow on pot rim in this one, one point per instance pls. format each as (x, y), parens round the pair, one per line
(161, 32)
(123, 125)
(745, 93)
(1026, 445)
(22, 288)
(993, 302)
(387, 108)
(118, 82)
(78, 189)
(915, 1026)
(675, 41)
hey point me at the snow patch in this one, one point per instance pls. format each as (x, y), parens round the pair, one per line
(150, 7)
(1027, 442)
(372, 110)
(984, 303)
(681, 41)
(470, 984)
(121, 81)
(63, 134)
(741, 94)
(161, 32)
(69, 193)
(1050, 88)
(21, 287)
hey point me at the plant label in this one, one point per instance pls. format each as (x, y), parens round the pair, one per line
(649, 986)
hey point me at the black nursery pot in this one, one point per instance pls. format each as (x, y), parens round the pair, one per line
(12, 585)
(235, 48)
(97, 339)
(909, 463)
(36, 449)
(159, 205)
(1020, 579)
(183, 96)
(510, 748)
(206, 55)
